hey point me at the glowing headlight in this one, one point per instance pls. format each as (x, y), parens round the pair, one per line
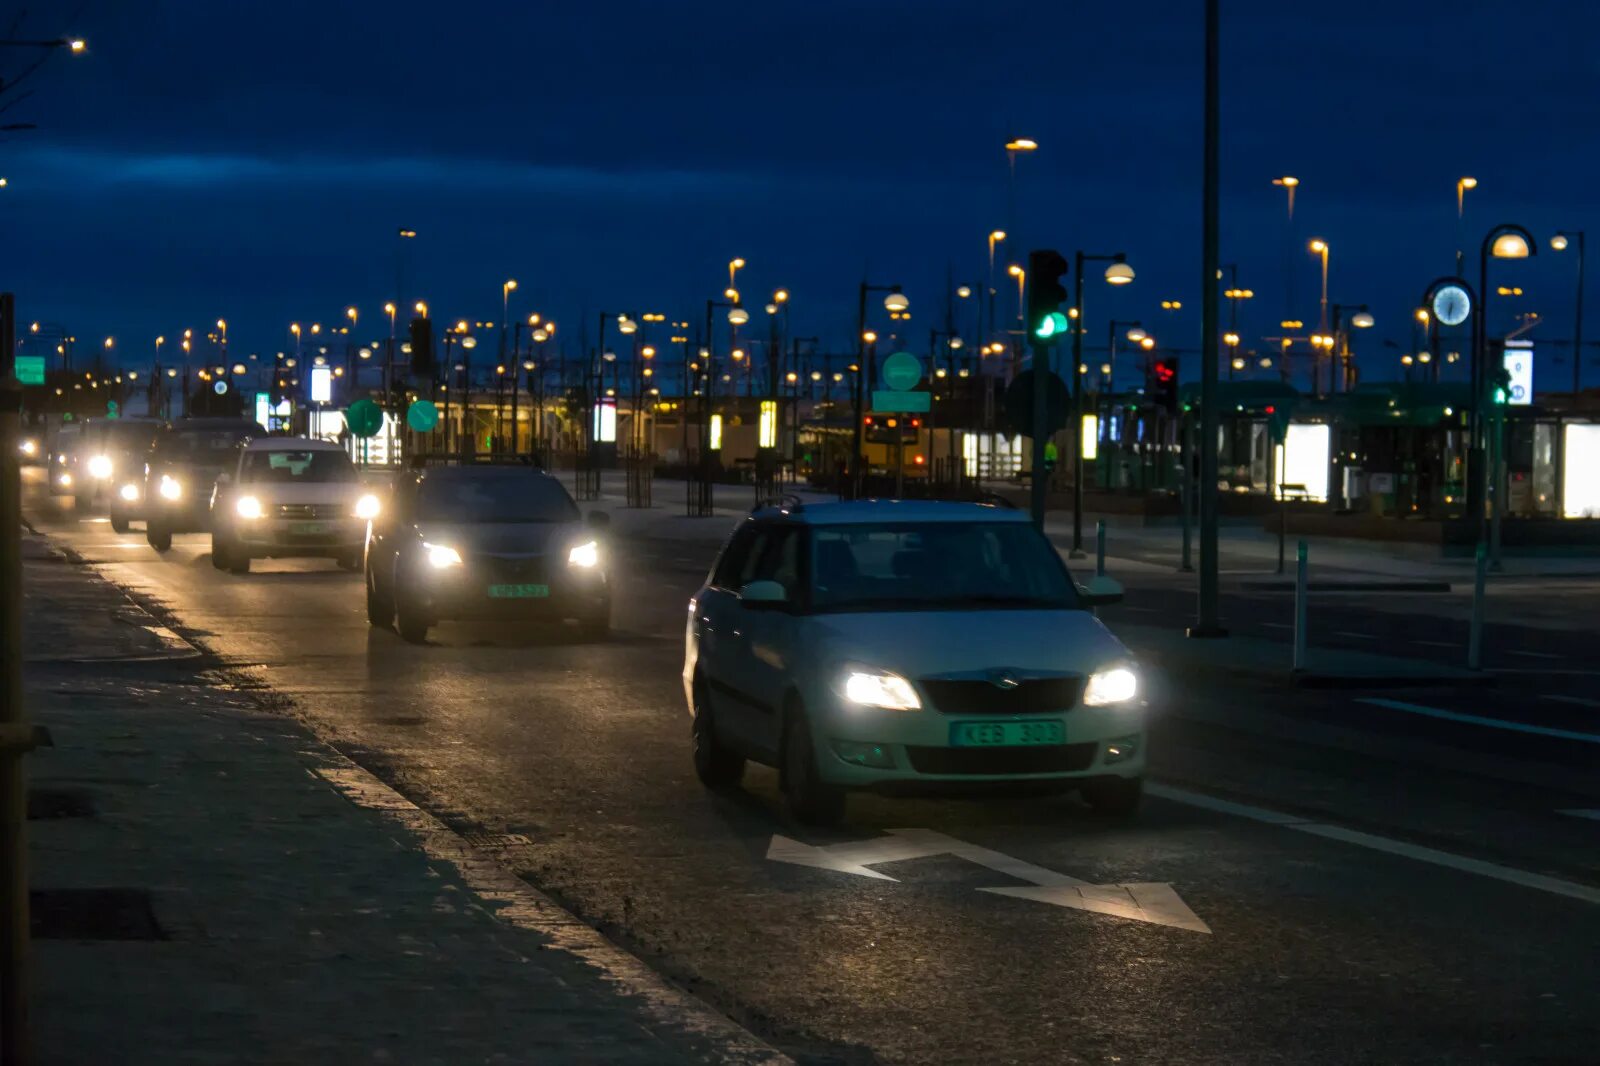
(874, 688)
(585, 555)
(367, 507)
(100, 466)
(129, 492)
(65, 480)
(29, 448)
(170, 488)
(441, 556)
(248, 507)
(1116, 685)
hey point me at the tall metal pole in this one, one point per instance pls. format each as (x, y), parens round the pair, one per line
(1208, 624)
(1577, 329)
(857, 459)
(15, 735)
(1076, 443)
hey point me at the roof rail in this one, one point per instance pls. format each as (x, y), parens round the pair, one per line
(996, 500)
(787, 501)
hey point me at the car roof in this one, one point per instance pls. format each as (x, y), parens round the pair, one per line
(291, 444)
(208, 424)
(865, 512)
(485, 471)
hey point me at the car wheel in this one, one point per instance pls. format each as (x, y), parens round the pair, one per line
(219, 551)
(409, 619)
(715, 764)
(159, 536)
(380, 610)
(808, 797)
(350, 560)
(119, 522)
(238, 561)
(596, 625)
(82, 501)
(1118, 796)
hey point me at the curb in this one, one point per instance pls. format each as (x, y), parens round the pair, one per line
(1351, 586)
(504, 895)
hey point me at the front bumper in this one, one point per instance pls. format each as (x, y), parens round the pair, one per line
(911, 751)
(462, 593)
(186, 514)
(263, 538)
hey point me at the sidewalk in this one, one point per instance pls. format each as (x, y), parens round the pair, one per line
(212, 884)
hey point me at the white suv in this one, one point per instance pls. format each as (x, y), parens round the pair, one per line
(289, 496)
(904, 646)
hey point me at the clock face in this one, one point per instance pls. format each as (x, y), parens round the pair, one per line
(1451, 305)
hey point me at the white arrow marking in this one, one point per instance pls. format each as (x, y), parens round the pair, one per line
(1153, 902)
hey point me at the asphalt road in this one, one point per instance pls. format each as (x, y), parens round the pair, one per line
(1379, 885)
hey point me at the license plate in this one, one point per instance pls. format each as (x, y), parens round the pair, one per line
(518, 592)
(308, 527)
(1005, 734)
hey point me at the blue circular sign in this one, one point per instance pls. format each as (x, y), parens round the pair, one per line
(220, 387)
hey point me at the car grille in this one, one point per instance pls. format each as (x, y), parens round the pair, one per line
(301, 511)
(512, 570)
(1039, 695)
(1041, 759)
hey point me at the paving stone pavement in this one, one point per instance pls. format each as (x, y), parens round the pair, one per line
(296, 925)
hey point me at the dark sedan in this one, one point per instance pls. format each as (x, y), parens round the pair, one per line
(485, 541)
(181, 472)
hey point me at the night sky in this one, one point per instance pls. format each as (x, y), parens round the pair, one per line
(253, 161)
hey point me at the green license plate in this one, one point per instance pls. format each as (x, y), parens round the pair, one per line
(308, 527)
(1005, 734)
(518, 592)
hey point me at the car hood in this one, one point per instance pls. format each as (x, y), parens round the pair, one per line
(502, 538)
(309, 492)
(182, 469)
(918, 644)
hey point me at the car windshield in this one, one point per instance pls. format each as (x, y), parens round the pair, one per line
(298, 467)
(529, 498)
(898, 566)
(196, 445)
(131, 436)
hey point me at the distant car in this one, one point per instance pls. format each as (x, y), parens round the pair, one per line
(110, 449)
(289, 497)
(32, 447)
(485, 541)
(901, 647)
(61, 463)
(173, 491)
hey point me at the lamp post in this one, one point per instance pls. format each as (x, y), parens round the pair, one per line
(1462, 185)
(1319, 247)
(895, 302)
(1505, 241)
(1111, 347)
(1117, 273)
(1560, 242)
(1288, 183)
(995, 237)
(507, 287)
(1207, 623)
(1014, 147)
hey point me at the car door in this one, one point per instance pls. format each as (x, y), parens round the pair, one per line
(720, 638)
(767, 635)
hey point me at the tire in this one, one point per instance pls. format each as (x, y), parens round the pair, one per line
(158, 536)
(238, 562)
(1117, 797)
(119, 522)
(82, 501)
(219, 552)
(715, 764)
(809, 799)
(380, 609)
(596, 626)
(350, 560)
(409, 621)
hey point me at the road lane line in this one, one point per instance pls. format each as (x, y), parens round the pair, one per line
(1533, 654)
(1579, 700)
(1593, 814)
(1433, 856)
(1473, 719)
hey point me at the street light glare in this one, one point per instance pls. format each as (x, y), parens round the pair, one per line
(1119, 273)
(896, 301)
(1021, 144)
(1558, 242)
(1318, 245)
(1469, 183)
(1287, 181)
(998, 235)
(1014, 270)
(1510, 246)
(1362, 320)
(77, 45)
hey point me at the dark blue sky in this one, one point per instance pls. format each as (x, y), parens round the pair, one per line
(253, 161)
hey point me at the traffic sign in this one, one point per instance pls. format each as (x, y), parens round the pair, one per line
(902, 371)
(30, 369)
(422, 416)
(364, 418)
(113, 409)
(903, 402)
(1019, 403)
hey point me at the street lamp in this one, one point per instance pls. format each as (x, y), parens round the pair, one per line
(1560, 243)
(1117, 272)
(1505, 241)
(1022, 280)
(1319, 247)
(1288, 183)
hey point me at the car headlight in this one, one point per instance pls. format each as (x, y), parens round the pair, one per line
(100, 466)
(30, 448)
(248, 507)
(129, 492)
(170, 488)
(585, 555)
(367, 507)
(1117, 684)
(879, 688)
(441, 556)
(65, 480)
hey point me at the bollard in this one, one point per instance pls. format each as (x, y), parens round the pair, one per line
(1100, 548)
(1300, 607)
(1475, 633)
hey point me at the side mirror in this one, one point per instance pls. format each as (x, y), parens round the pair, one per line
(1101, 591)
(597, 520)
(763, 595)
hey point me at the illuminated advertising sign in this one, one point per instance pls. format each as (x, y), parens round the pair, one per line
(321, 384)
(1519, 364)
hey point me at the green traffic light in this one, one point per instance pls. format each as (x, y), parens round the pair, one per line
(1500, 396)
(1052, 325)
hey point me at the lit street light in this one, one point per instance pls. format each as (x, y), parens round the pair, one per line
(1319, 247)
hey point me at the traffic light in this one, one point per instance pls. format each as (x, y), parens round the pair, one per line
(422, 346)
(1499, 385)
(1162, 384)
(891, 429)
(1046, 322)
